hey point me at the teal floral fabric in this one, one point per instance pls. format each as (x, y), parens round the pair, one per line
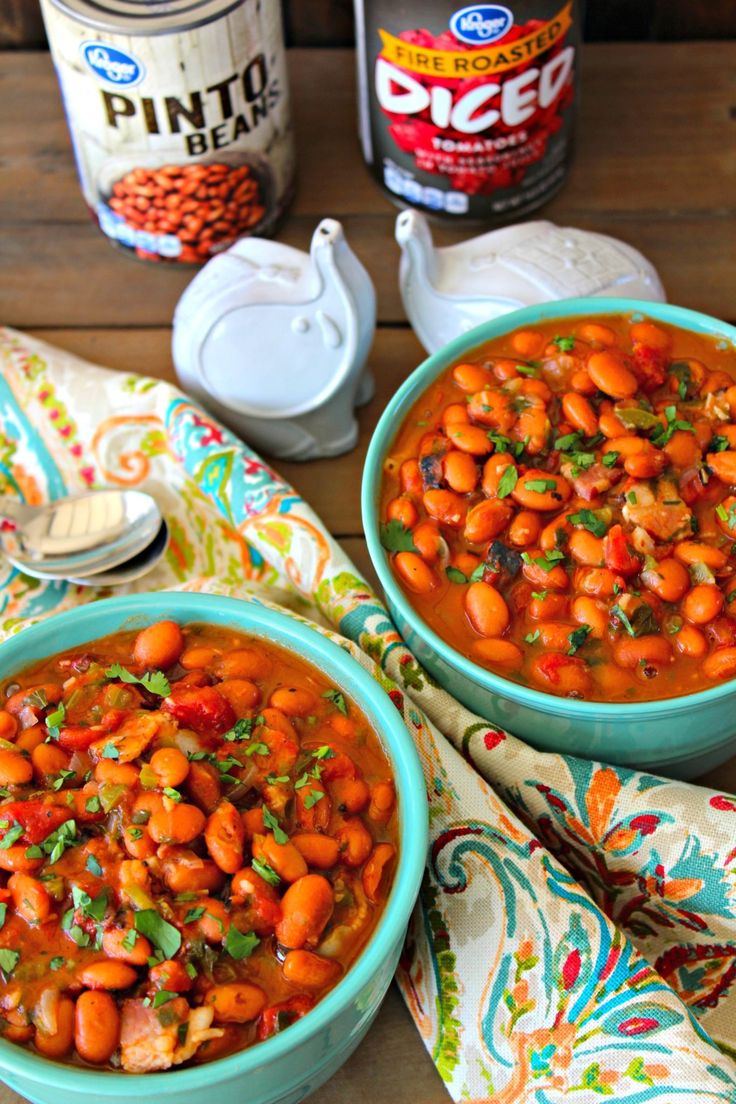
(575, 935)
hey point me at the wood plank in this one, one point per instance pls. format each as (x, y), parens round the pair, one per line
(21, 25)
(630, 156)
(70, 275)
(369, 1075)
(330, 487)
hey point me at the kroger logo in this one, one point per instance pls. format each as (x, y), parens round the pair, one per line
(481, 23)
(112, 65)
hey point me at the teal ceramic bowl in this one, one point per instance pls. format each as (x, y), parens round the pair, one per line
(289, 1066)
(680, 737)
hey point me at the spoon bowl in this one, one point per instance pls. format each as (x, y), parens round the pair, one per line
(132, 569)
(81, 535)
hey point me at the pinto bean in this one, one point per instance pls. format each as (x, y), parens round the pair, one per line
(702, 603)
(469, 438)
(418, 575)
(236, 1001)
(446, 507)
(630, 651)
(309, 970)
(307, 906)
(580, 413)
(224, 836)
(720, 664)
(486, 609)
(59, 1043)
(610, 375)
(159, 645)
(107, 974)
(460, 471)
(403, 509)
(540, 490)
(486, 520)
(96, 1027)
(668, 579)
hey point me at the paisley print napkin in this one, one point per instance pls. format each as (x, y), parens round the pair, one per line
(575, 937)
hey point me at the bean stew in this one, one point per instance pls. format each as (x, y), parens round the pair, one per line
(561, 508)
(198, 835)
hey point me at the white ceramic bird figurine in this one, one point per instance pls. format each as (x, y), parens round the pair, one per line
(274, 341)
(448, 291)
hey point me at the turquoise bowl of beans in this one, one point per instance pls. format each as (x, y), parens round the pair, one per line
(680, 734)
(292, 1064)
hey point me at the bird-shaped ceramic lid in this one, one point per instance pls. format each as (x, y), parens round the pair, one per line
(268, 336)
(446, 291)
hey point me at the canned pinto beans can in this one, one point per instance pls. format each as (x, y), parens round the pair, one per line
(179, 117)
(467, 111)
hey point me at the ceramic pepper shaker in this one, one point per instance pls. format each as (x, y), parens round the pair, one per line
(274, 341)
(448, 291)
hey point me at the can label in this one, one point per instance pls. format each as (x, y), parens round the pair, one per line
(474, 117)
(183, 140)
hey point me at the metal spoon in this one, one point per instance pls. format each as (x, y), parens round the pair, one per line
(80, 535)
(133, 569)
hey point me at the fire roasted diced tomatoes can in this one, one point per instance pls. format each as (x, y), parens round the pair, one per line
(467, 111)
(179, 117)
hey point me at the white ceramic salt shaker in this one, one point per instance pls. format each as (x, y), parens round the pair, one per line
(274, 341)
(448, 291)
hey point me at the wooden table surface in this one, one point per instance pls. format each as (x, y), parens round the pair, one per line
(655, 166)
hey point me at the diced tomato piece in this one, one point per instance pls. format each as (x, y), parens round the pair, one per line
(201, 708)
(78, 737)
(617, 554)
(279, 1016)
(37, 818)
(650, 367)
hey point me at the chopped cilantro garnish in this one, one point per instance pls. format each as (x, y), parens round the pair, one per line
(194, 914)
(577, 638)
(155, 682)
(323, 752)
(93, 866)
(11, 837)
(130, 939)
(271, 822)
(532, 637)
(610, 459)
(539, 486)
(163, 996)
(508, 481)
(564, 344)
(590, 521)
(455, 575)
(53, 720)
(162, 934)
(312, 798)
(239, 944)
(266, 872)
(547, 561)
(395, 537)
(338, 700)
(8, 961)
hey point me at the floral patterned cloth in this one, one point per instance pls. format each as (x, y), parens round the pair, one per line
(575, 935)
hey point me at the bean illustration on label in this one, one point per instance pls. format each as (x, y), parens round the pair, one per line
(180, 122)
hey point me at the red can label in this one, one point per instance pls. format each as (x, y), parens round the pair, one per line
(475, 119)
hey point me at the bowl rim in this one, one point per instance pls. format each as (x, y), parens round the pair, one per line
(385, 432)
(133, 611)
